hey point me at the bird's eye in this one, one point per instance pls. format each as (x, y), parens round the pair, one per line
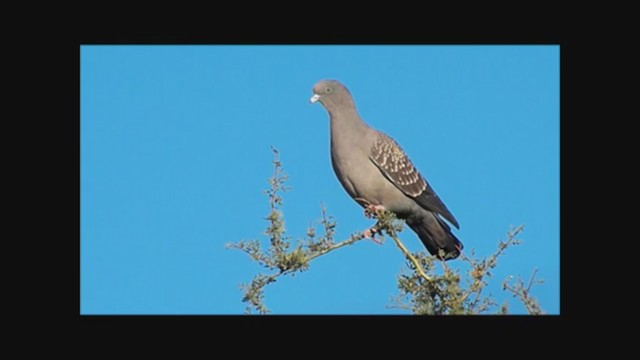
(328, 90)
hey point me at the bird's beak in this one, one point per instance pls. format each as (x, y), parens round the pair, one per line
(314, 98)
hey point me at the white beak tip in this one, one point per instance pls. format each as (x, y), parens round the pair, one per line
(314, 98)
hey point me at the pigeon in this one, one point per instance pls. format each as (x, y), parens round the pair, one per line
(378, 174)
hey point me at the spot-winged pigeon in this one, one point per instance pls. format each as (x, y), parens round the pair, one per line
(376, 172)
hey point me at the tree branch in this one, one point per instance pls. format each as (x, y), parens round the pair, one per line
(428, 292)
(408, 255)
(479, 269)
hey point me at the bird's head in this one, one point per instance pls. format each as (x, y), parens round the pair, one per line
(331, 93)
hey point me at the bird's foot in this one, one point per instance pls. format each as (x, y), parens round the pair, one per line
(370, 210)
(371, 234)
(373, 210)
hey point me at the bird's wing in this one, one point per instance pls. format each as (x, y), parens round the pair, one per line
(395, 165)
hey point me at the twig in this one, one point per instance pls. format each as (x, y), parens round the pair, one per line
(475, 300)
(531, 281)
(408, 255)
(491, 262)
(519, 291)
(350, 241)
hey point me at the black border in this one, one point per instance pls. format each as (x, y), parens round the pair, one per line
(72, 136)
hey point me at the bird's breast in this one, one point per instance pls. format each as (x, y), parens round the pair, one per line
(363, 180)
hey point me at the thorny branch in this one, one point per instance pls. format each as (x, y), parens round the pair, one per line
(426, 291)
(480, 268)
(524, 293)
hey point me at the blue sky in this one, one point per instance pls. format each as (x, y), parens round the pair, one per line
(175, 156)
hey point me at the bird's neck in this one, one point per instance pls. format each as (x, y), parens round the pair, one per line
(346, 124)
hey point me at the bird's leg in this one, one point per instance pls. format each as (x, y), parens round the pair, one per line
(370, 209)
(366, 204)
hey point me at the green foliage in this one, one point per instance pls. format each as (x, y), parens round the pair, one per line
(446, 294)
(423, 289)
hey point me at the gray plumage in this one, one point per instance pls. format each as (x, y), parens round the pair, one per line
(374, 170)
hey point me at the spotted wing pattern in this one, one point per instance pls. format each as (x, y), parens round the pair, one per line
(395, 165)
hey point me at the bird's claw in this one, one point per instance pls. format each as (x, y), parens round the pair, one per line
(372, 210)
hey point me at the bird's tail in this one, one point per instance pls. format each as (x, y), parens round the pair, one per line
(436, 235)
